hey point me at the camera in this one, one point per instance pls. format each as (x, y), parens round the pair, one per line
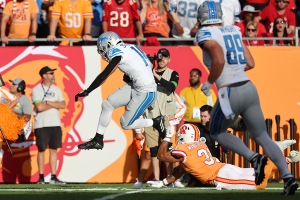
(154, 58)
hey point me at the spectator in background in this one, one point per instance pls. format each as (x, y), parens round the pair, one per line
(47, 99)
(194, 98)
(257, 4)
(156, 14)
(290, 6)
(97, 6)
(280, 30)
(248, 13)
(121, 16)
(22, 15)
(271, 12)
(251, 31)
(75, 20)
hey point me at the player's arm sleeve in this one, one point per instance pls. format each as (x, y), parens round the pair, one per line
(56, 12)
(203, 36)
(8, 96)
(179, 154)
(135, 11)
(172, 84)
(88, 10)
(237, 11)
(27, 108)
(105, 74)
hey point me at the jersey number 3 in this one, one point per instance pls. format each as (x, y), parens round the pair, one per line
(234, 47)
(208, 158)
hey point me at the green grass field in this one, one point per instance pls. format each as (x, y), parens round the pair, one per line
(125, 191)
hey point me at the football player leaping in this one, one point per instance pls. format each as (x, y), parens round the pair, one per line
(137, 95)
(227, 59)
(195, 158)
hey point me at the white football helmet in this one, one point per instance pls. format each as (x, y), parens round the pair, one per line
(188, 133)
(106, 41)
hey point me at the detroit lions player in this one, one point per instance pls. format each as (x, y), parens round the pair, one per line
(227, 59)
(137, 95)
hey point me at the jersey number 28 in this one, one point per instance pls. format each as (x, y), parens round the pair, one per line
(234, 47)
(115, 17)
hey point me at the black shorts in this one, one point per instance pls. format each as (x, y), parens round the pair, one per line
(51, 136)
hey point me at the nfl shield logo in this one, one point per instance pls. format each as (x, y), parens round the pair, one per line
(222, 95)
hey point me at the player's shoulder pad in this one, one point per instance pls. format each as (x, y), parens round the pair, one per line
(114, 52)
(203, 35)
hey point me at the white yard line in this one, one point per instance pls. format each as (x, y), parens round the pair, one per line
(117, 189)
(121, 194)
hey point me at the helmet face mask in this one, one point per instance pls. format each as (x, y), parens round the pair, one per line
(209, 12)
(107, 41)
(188, 133)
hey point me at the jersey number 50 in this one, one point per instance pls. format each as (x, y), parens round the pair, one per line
(234, 46)
(124, 18)
(73, 20)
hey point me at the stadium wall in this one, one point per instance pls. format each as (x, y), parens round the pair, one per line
(275, 75)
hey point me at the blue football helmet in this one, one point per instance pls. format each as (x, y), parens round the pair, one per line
(107, 41)
(210, 12)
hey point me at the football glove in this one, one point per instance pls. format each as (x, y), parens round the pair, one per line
(81, 94)
(206, 87)
(170, 131)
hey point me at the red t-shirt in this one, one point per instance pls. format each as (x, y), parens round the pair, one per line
(254, 42)
(290, 6)
(281, 42)
(261, 28)
(270, 13)
(121, 17)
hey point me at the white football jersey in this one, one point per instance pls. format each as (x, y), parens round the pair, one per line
(187, 12)
(136, 65)
(230, 39)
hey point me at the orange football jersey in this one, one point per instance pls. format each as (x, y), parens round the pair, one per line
(72, 17)
(198, 161)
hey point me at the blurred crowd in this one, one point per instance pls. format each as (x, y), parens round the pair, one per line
(150, 19)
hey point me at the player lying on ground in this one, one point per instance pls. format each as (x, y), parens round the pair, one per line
(195, 158)
(137, 95)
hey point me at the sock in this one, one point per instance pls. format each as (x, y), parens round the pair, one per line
(53, 176)
(254, 158)
(41, 176)
(99, 137)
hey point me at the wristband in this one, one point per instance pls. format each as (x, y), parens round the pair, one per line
(33, 33)
(87, 34)
(165, 181)
(167, 139)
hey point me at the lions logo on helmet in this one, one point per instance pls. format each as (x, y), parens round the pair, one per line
(210, 12)
(188, 133)
(107, 41)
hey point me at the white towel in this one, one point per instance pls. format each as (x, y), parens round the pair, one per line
(225, 103)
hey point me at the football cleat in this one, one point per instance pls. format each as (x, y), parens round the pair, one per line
(259, 168)
(290, 186)
(159, 125)
(285, 144)
(93, 144)
(57, 182)
(294, 156)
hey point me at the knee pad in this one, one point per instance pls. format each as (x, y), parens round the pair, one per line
(154, 151)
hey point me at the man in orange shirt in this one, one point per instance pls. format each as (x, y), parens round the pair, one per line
(75, 20)
(23, 19)
(196, 159)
